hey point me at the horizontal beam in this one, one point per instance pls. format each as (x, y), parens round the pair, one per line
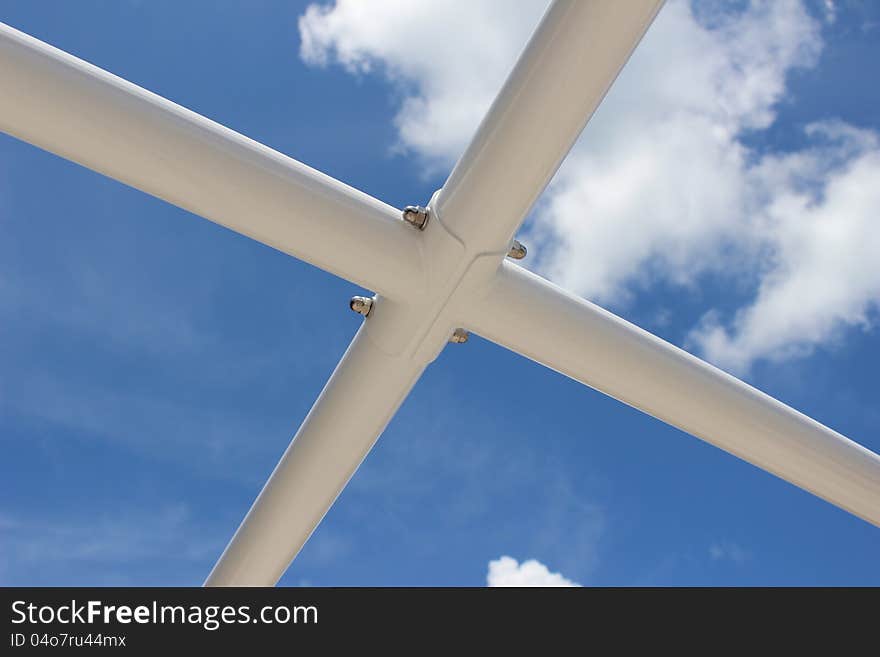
(532, 317)
(357, 403)
(561, 77)
(71, 108)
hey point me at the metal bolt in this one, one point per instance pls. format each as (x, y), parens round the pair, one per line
(517, 251)
(416, 215)
(361, 305)
(459, 336)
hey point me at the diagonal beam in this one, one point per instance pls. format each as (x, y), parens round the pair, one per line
(71, 108)
(577, 51)
(532, 317)
(358, 401)
(561, 77)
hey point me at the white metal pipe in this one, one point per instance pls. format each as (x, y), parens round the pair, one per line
(71, 108)
(360, 398)
(561, 77)
(535, 318)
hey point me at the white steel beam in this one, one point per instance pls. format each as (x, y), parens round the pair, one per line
(431, 280)
(358, 401)
(71, 108)
(561, 77)
(532, 317)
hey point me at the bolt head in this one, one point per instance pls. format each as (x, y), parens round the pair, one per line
(416, 216)
(517, 251)
(361, 305)
(459, 336)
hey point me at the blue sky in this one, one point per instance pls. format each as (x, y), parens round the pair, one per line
(153, 366)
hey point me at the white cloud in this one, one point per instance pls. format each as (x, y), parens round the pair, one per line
(666, 185)
(506, 571)
(448, 59)
(659, 185)
(821, 220)
(830, 11)
(727, 551)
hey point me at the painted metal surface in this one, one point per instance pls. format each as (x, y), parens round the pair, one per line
(438, 271)
(561, 77)
(543, 322)
(83, 113)
(360, 398)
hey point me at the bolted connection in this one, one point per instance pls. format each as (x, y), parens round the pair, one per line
(517, 251)
(459, 336)
(361, 305)
(416, 215)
